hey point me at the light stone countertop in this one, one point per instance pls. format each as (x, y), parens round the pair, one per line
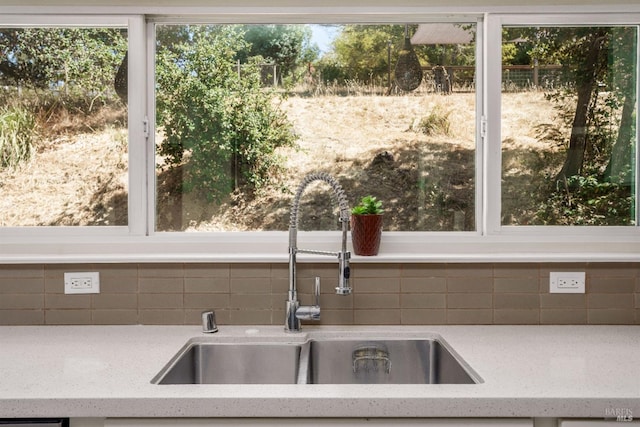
(528, 371)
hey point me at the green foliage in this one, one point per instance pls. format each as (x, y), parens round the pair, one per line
(286, 45)
(587, 200)
(17, 127)
(362, 49)
(369, 205)
(79, 63)
(223, 127)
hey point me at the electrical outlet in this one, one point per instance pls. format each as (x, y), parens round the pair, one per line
(565, 282)
(82, 283)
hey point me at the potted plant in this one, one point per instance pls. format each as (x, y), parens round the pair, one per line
(366, 226)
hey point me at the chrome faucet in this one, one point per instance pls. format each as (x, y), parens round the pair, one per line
(294, 311)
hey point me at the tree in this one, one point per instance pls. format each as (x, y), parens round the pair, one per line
(79, 62)
(362, 49)
(221, 125)
(286, 45)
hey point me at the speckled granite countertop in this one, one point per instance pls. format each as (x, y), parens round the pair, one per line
(528, 371)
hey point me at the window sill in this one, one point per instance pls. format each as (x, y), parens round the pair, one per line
(272, 247)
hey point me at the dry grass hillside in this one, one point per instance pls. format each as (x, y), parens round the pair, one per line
(416, 153)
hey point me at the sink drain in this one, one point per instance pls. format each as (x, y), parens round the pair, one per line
(371, 358)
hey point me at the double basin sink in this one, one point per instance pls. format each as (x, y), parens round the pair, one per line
(318, 361)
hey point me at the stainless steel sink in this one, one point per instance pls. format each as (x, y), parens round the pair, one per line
(389, 361)
(318, 361)
(232, 363)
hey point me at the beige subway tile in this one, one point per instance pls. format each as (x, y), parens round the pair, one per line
(118, 271)
(376, 285)
(24, 285)
(621, 269)
(250, 317)
(517, 301)
(118, 285)
(637, 316)
(161, 271)
(424, 270)
(637, 300)
(280, 285)
(516, 317)
(611, 317)
(469, 316)
(422, 301)
(250, 270)
(611, 284)
(376, 317)
(114, 301)
(56, 271)
(277, 316)
(514, 285)
(423, 285)
(279, 271)
(558, 301)
(473, 285)
(614, 301)
(20, 271)
(423, 316)
(278, 301)
(209, 270)
(332, 301)
(54, 285)
(547, 268)
(161, 317)
(67, 317)
(516, 270)
(55, 301)
(21, 301)
(21, 317)
(334, 317)
(374, 271)
(571, 316)
(469, 301)
(160, 301)
(202, 285)
(382, 301)
(250, 285)
(475, 271)
(206, 301)
(114, 317)
(249, 302)
(158, 285)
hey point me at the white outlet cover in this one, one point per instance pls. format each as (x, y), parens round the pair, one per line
(557, 278)
(91, 278)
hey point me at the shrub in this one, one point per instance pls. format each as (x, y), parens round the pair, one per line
(222, 125)
(588, 201)
(17, 126)
(436, 123)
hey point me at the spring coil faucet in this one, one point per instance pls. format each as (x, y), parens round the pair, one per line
(294, 311)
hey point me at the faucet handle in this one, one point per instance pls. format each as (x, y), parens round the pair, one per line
(316, 291)
(311, 312)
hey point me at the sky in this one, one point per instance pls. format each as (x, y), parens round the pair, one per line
(322, 36)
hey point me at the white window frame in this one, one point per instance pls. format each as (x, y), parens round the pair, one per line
(140, 243)
(137, 157)
(493, 151)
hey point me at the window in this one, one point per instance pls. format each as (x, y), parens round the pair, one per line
(387, 109)
(226, 112)
(569, 140)
(63, 126)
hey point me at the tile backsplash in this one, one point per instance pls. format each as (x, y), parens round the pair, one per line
(392, 294)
